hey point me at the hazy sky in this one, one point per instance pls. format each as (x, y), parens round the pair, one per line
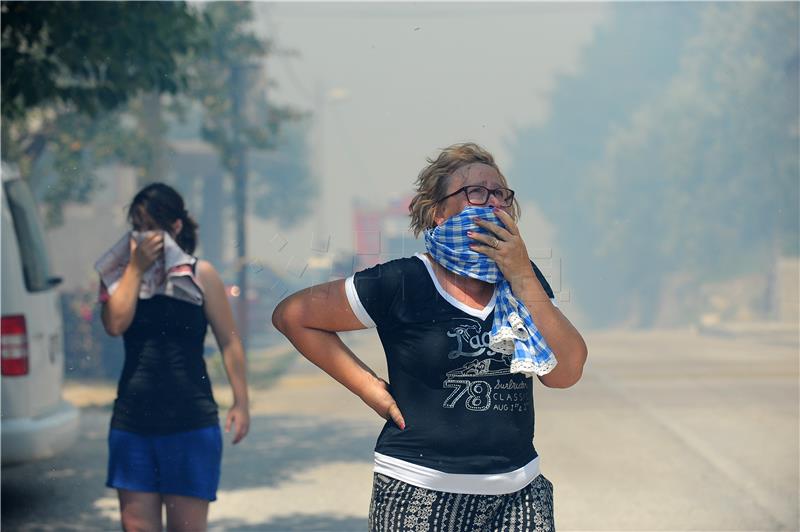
(391, 83)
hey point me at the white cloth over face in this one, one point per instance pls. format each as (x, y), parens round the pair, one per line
(172, 273)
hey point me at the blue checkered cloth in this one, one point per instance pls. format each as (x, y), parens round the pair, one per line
(513, 330)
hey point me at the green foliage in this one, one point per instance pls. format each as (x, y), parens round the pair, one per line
(703, 179)
(92, 56)
(82, 86)
(693, 175)
(76, 145)
(226, 81)
(83, 144)
(238, 119)
(72, 73)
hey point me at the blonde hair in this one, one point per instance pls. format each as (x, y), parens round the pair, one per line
(433, 180)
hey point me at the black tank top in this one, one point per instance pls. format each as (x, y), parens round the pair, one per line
(164, 387)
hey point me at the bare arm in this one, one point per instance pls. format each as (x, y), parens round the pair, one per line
(220, 316)
(511, 257)
(562, 337)
(117, 313)
(310, 320)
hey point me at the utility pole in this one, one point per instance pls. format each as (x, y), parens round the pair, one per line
(324, 97)
(238, 88)
(152, 121)
(320, 220)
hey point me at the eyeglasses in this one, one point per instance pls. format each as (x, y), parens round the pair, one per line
(479, 195)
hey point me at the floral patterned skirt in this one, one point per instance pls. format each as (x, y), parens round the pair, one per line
(397, 506)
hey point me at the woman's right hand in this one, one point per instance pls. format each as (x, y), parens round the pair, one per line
(145, 254)
(378, 398)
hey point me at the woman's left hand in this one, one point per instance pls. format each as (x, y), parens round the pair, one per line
(505, 246)
(239, 417)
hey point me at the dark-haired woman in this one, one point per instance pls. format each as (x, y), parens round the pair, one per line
(165, 445)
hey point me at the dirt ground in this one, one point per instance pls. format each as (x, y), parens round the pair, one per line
(667, 430)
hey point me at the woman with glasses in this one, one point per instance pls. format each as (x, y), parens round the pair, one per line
(464, 327)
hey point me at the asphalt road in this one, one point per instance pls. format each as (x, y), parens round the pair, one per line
(666, 431)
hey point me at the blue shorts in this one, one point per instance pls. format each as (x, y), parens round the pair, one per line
(184, 463)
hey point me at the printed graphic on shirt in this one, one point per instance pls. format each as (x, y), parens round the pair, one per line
(470, 341)
(475, 385)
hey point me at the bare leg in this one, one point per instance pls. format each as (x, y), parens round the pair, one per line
(140, 511)
(186, 514)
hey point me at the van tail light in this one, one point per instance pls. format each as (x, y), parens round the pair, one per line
(14, 346)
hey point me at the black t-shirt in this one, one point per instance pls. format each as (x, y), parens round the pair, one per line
(464, 411)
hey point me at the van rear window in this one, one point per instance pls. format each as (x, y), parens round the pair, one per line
(30, 235)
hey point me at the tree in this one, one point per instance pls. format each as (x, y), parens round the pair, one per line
(709, 167)
(699, 178)
(70, 69)
(92, 56)
(586, 107)
(237, 117)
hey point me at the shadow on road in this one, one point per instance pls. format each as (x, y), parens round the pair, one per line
(279, 447)
(68, 492)
(59, 493)
(305, 523)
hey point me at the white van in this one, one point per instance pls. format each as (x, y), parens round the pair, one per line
(36, 421)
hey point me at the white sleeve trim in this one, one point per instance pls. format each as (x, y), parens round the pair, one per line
(355, 304)
(554, 302)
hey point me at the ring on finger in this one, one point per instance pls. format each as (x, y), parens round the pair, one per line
(495, 243)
